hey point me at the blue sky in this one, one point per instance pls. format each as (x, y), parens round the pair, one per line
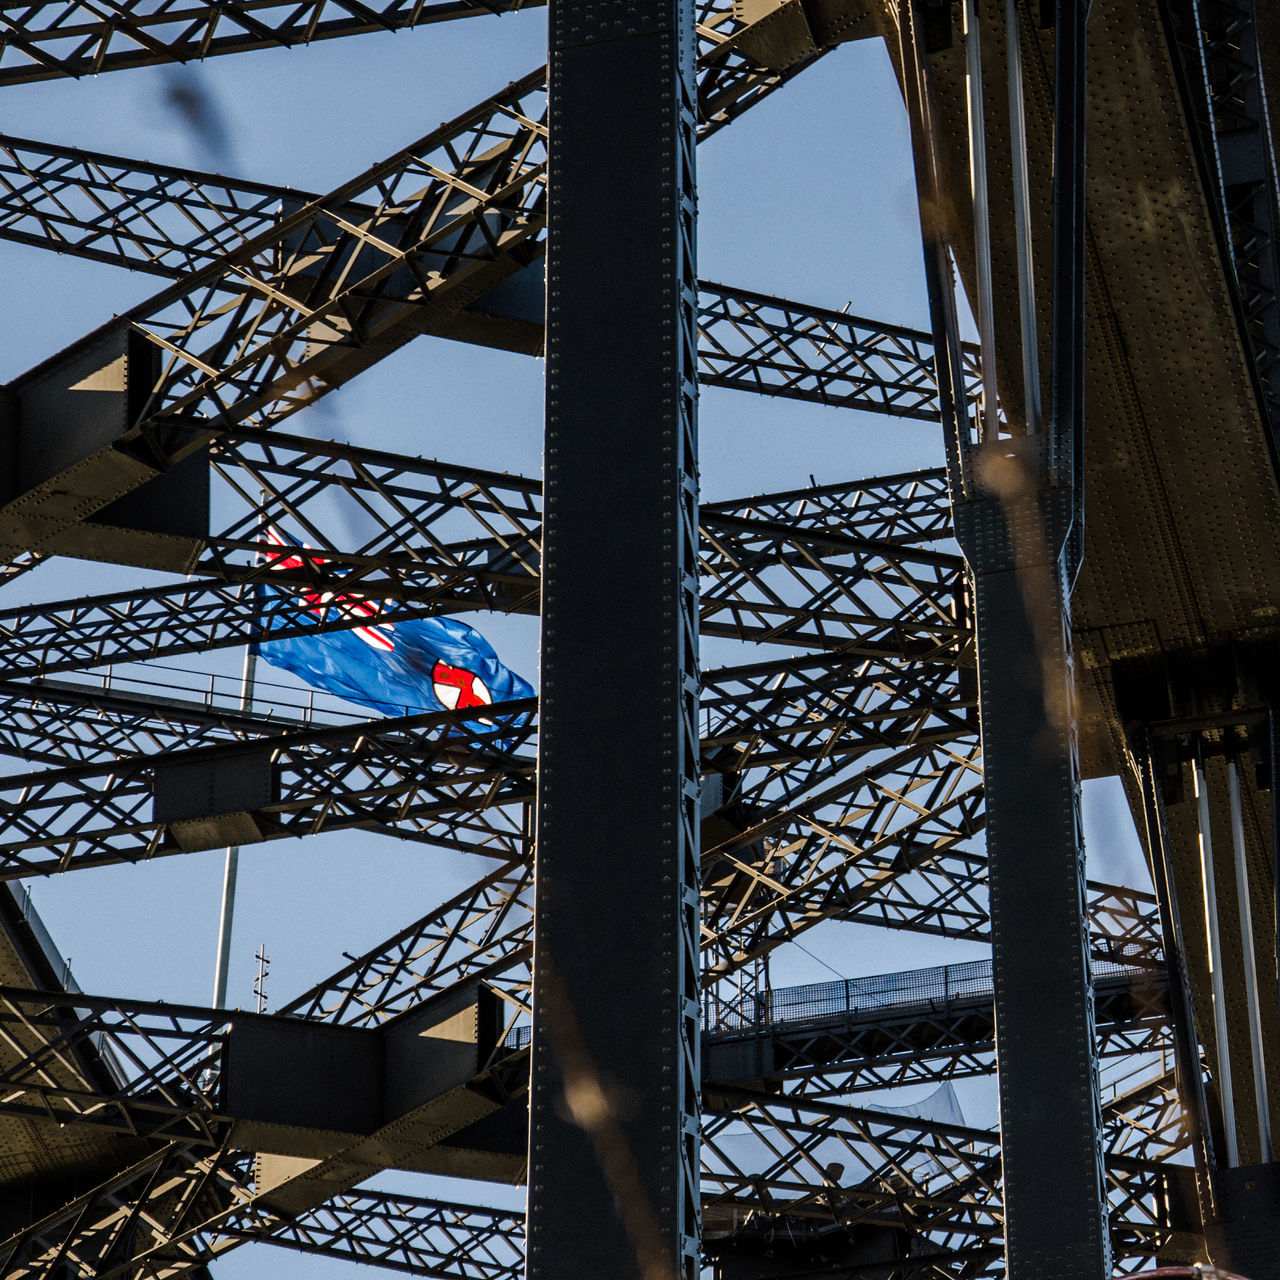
(810, 196)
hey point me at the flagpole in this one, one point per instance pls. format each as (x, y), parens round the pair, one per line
(233, 860)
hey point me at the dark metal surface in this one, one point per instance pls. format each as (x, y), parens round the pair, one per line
(846, 783)
(613, 1100)
(1014, 506)
(1216, 49)
(143, 217)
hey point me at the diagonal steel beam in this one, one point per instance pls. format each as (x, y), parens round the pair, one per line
(763, 579)
(303, 306)
(172, 222)
(49, 40)
(295, 310)
(811, 1161)
(740, 62)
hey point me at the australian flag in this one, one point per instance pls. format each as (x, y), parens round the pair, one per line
(398, 667)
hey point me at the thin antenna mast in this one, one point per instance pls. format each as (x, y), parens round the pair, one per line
(260, 981)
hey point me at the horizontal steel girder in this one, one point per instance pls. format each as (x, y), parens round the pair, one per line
(161, 1070)
(830, 1039)
(740, 62)
(823, 704)
(816, 1162)
(819, 772)
(174, 222)
(49, 40)
(776, 568)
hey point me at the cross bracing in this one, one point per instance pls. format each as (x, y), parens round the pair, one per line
(942, 1179)
(322, 289)
(853, 769)
(838, 815)
(158, 1070)
(167, 1062)
(819, 706)
(472, 540)
(490, 922)
(172, 222)
(55, 40)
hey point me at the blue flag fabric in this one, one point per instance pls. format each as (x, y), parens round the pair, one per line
(398, 667)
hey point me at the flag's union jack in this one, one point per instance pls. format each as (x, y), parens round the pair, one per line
(378, 636)
(399, 666)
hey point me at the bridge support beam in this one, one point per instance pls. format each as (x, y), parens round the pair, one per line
(1018, 505)
(1045, 1040)
(613, 1163)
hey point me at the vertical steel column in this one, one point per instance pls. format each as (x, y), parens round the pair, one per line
(1067, 386)
(1050, 1120)
(1015, 509)
(981, 219)
(1022, 221)
(947, 352)
(613, 1167)
(226, 912)
(1273, 742)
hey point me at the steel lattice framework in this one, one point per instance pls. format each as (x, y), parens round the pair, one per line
(843, 782)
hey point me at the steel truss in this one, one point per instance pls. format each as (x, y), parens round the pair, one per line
(767, 1159)
(829, 1040)
(848, 778)
(171, 222)
(476, 540)
(157, 1070)
(53, 40)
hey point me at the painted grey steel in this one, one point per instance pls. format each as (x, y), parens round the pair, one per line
(1256, 1033)
(1067, 305)
(1273, 742)
(1044, 1001)
(1015, 508)
(927, 875)
(1022, 223)
(981, 220)
(1226, 1093)
(613, 1107)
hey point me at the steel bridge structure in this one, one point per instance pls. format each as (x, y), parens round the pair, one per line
(1090, 587)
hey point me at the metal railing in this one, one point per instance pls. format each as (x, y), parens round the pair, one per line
(931, 988)
(61, 966)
